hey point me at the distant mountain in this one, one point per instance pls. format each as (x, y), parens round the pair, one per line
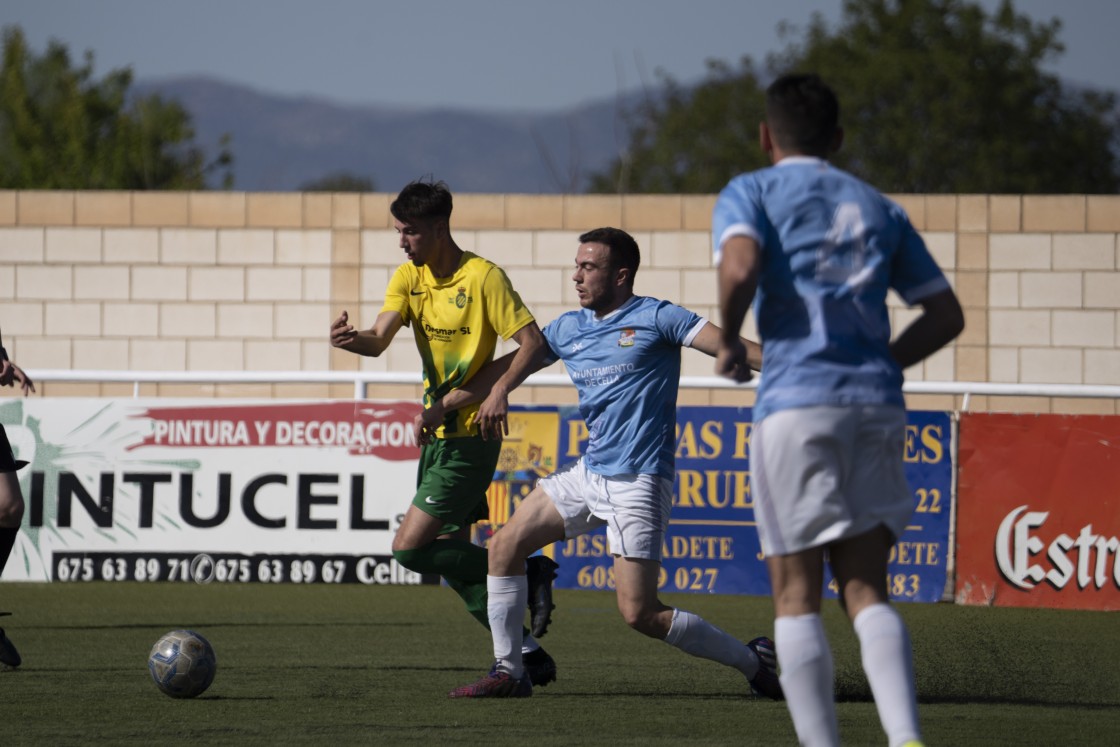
(280, 143)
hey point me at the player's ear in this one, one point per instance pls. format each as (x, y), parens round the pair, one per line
(437, 227)
(622, 277)
(764, 140)
(837, 139)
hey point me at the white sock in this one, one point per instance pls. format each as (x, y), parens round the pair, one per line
(806, 664)
(506, 597)
(695, 635)
(888, 662)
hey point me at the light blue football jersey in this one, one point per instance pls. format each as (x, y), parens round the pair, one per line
(627, 370)
(832, 247)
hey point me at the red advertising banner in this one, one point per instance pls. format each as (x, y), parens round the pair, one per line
(1038, 511)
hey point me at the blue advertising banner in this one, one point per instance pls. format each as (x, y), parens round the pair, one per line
(712, 546)
(918, 568)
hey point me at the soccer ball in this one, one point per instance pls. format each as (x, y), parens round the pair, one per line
(182, 664)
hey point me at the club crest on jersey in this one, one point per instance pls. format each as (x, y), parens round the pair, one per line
(461, 299)
(626, 339)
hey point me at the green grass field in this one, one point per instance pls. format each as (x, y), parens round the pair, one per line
(346, 665)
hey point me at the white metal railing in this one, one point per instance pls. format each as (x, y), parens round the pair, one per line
(362, 379)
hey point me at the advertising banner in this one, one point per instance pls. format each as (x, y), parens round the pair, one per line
(713, 544)
(182, 490)
(270, 491)
(1038, 507)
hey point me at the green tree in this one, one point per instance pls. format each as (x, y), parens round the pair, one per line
(60, 129)
(936, 96)
(684, 141)
(339, 181)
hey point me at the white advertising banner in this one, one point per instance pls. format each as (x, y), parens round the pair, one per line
(189, 490)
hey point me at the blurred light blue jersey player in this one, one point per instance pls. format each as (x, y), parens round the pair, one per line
(816, 251)
(821, 306)
(632, 355)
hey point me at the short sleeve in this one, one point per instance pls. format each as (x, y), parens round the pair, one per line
(396, 293)
(738, 212)
(677, 324)
(914, 272)
(550, 333)
(505, 310)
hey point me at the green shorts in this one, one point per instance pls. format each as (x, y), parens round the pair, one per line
(452, 479)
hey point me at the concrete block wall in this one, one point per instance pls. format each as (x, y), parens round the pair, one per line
(250, 281)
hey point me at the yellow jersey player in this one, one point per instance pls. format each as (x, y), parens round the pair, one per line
(458, 305)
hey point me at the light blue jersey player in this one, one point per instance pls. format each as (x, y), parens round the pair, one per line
(817, 251)
(626, 366)
(623, 352)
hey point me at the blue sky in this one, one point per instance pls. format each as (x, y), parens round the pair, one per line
(486, 54)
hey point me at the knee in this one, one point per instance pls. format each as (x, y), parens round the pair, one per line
(505, 551)
(792, 600)
(645, 620)
(409, 558)
(497, 545)
(855, 597)
(852, 606)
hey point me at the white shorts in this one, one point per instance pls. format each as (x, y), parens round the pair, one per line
(821, 474)
(635, 508)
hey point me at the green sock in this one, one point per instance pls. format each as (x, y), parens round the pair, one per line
(474, 597)
(461, 563)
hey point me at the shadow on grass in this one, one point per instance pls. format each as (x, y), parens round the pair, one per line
(210, 624)
(998, 700)
(414, 668)
(863, 695)
(234, 698)
(669, 694)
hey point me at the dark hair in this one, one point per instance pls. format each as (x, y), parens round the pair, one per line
(422, 201)
(624, 250)
(802, 113)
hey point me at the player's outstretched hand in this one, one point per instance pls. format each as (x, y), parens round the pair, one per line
(342, 332)
(731, 361)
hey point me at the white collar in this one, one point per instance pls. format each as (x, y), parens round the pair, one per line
(801, 160)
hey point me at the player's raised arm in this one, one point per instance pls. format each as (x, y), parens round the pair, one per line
(371, 342)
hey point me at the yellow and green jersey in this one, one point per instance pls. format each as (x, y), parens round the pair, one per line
(456, 322)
